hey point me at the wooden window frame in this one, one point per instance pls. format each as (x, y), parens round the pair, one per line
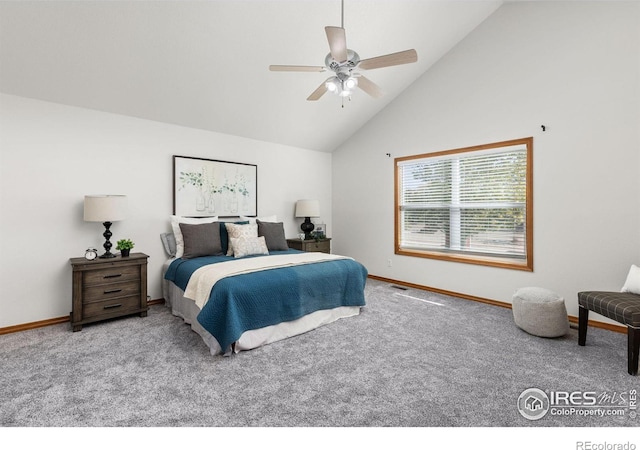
(525, 264)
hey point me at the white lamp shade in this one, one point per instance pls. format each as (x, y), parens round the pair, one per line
(104, 208)
(307, 208)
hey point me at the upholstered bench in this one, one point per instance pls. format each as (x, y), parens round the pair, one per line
(623, 307)
(540, 312)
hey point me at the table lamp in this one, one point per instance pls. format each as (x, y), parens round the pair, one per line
(307, 209)
(105, 209)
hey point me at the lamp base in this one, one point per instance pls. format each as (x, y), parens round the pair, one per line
(107, 244)
(307, 226)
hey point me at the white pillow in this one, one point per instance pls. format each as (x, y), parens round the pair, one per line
(632, 284)
(261, 219)
(177, 233)
(236, 231)
(247, 246)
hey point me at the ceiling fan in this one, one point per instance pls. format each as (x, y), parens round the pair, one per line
(343, 62)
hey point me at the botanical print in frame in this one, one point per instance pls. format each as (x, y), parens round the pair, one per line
(208, 187)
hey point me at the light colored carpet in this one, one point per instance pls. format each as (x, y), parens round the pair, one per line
(411, 359)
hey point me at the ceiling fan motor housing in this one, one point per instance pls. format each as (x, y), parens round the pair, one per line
(353, 59)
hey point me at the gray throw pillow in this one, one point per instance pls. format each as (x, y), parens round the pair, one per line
(201, 239)
(169, 243)
(273, 233)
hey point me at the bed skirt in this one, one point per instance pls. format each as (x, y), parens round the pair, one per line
(188, 310)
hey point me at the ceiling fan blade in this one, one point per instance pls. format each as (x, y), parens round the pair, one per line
(393, 59)
(337, 43)
(369, 87)
(276, 68)
(319, 92)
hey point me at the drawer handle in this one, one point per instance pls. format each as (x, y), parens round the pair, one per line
(113, 291)
(113, 306)
(113, 276)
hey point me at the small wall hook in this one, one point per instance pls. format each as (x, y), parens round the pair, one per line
(389, 155)
(544, 128)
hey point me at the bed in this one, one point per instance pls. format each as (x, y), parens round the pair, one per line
(239, 286)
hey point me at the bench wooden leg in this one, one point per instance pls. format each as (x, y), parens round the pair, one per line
(634, 348)
(583, 319)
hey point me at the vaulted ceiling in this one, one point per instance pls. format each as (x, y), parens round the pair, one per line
(204, 64)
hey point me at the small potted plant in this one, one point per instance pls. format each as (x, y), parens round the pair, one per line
(125, 246)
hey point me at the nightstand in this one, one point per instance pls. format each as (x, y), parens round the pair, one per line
(108, 288)
(311, 245)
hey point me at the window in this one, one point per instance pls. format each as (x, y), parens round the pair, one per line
(469, 205)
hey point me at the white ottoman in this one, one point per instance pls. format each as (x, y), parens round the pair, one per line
(540, 312)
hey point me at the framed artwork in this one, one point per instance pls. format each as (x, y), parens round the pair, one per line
(208, 187)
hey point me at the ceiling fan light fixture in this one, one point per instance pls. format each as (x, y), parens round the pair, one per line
(350, 83)
(333, 84)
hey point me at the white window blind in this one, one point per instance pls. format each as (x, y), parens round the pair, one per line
(466, 202)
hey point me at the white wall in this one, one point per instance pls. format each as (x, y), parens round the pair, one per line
(572, 66)
(52, 155)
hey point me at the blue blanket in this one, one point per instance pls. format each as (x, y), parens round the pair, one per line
(255, 300)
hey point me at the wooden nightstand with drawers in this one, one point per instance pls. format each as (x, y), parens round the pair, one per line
(108, 288)
(311, 245)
